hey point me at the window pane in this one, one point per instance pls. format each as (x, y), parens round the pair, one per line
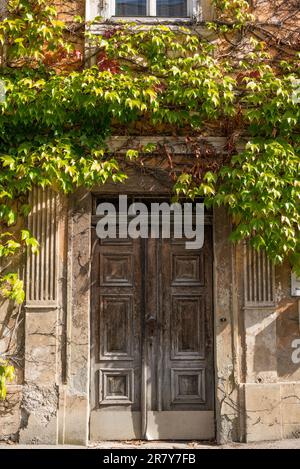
(171, 8)
(131, 8)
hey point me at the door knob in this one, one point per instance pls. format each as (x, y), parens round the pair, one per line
(150, 319)
(151, 323)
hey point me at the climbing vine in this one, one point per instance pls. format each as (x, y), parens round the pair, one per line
(240, 80)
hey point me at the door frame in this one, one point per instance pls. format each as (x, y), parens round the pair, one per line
(228, 421)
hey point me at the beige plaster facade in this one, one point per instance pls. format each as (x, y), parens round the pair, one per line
(257, 385)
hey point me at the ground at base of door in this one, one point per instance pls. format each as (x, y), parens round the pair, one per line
(281, 444)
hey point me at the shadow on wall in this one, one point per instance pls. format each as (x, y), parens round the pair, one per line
(287, 326)
(271, 355)
(264, 359)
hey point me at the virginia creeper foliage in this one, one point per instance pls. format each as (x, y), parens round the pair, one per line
(55, 119)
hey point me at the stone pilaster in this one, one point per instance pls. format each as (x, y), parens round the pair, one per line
(40, 392)
(261, 390)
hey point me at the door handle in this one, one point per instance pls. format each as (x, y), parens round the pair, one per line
(151, 324)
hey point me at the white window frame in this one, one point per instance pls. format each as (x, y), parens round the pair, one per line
(106, 9)
(151, 9)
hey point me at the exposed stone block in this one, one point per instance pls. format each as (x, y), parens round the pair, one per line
(39, 415)
(263, 412)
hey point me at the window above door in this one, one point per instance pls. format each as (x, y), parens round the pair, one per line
(157, 8)
(149, 10)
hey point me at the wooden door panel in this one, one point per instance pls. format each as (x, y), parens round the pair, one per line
(187, 327)
(116, 326)
(188, 385)
(116, 269)
(187, 374)
(152, 347)
(116, 386)
(187, 269)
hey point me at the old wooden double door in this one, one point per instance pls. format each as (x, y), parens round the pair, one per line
(152, 340)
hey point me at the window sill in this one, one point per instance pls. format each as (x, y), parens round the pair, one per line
(148, 20)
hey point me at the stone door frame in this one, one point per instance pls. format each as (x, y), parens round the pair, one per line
(76, 405)
(67, 349)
